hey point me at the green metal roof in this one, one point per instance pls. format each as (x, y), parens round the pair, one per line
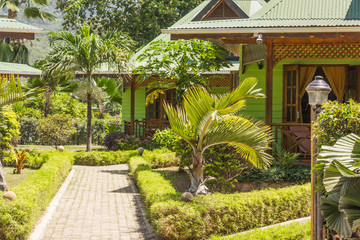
(12, 25)
(291, 13)
(19, 69)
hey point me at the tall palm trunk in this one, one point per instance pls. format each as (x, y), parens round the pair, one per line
(101, 111)
(47, 102)
(3, 185)
(197, 174)
(88, 130)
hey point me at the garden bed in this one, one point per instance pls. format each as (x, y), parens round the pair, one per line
(18, 217)
(12, 179)
(217, 213)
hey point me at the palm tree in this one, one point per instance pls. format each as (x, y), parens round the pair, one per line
(85, 52)
(205, 120)
(31, 9)
(339, 179)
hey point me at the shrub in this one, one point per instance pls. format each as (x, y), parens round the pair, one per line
(217, 213)
(160, 158)
(102, 158)
(337, 120)
(17, 218)
(283, 158)
(9, 132)
(225, 164)
(293, 231)
(56, 130)
(109, 140)
(130, 142)
(28, 128)
(276, 174)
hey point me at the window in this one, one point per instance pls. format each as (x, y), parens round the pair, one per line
(156, 110)
(291, 110)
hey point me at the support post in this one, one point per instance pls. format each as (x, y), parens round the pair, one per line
(316, 217)
(269, 82)
(132, 106)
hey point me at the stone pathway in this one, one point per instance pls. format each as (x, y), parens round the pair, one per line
(99, 203)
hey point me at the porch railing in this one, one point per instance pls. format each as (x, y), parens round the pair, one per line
(294, 137)
(144, 128)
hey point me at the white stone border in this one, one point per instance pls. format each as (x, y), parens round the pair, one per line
(279, 224)
(39, 230)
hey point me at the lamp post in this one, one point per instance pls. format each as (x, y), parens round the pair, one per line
(318, 91)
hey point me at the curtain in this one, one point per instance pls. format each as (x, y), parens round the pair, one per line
(306, 76)
(337, 79)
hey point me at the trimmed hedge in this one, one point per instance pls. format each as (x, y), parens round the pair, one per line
(216, 213)
(102, 158)
(161, 158)
(18, 217)
(293, 231)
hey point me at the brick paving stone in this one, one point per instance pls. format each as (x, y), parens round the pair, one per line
(99, 203)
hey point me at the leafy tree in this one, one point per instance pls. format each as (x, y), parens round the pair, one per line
(207, 120)
(142, 20)
(85, 52)
(338, 167)
(31, 8)
(56, 130)
(180, 64)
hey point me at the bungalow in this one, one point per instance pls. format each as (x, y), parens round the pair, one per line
(13, 30)
(299, 39)
(143, 120)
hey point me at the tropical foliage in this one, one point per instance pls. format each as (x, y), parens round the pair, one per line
(339, 168)
(19, 161)
(31, 8)
(142, 20)
(205, 120)
(14, 52)
(179, 64)
(85, 52)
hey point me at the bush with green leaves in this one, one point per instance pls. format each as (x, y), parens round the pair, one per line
(293, 231)
(276, 174)
(216, 213)
(130, 142)
(337, 120)
(56, 130)
(9, 132)
(225, 165)
(103, 158)
(161, 158)
(28, 129)
(18, 218)
(283, 158)
(167, 139)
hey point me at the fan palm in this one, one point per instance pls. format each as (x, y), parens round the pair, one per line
(339, 166)
(85, 52)
(205, 120)
(31, 9)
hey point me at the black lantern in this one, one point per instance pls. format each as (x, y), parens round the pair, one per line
(318, 91)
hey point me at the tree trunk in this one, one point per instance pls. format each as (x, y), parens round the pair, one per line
(47, 102)
(3, 185)
(101, 111)
(12, 14)
(89, 132)
(197, 174)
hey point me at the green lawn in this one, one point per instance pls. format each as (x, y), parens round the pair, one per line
(180, 181)
(71, 148)
(14, 179)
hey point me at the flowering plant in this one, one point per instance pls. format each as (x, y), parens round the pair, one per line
(130, 142)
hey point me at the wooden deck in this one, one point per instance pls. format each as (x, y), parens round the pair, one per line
(143, 129)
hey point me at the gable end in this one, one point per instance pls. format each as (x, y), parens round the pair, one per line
(220, 9)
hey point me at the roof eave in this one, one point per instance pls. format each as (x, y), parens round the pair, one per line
(256, 31)
(14, 30)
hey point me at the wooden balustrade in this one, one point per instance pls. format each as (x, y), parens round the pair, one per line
(294, 137)
(142, 129)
